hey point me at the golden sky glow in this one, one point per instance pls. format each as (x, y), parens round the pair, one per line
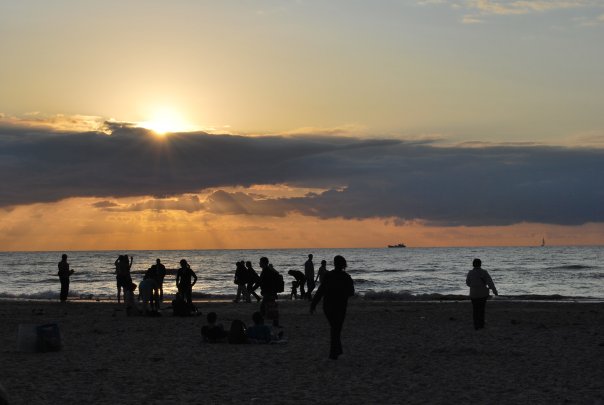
(76, 225)
(183, 124)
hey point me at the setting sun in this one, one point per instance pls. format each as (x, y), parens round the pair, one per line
(165, 121)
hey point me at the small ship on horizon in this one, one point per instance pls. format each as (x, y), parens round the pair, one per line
(398, 245)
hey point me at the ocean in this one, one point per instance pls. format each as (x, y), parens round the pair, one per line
(548, 272)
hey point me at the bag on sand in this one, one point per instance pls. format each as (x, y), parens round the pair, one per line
(48, 338)
(237, 333)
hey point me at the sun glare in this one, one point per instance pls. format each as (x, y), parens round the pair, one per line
(166, 121)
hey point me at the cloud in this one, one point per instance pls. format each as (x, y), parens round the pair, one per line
(188, 203)
(515, 7)
(477, 10)
(471, 184)
(58, 122)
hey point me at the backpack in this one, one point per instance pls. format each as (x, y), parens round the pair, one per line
(237, 333)
(278, 282)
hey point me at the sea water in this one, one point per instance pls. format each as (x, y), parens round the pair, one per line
(403, 273)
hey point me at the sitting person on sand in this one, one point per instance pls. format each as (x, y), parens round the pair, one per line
(259, 333)
(213, 332)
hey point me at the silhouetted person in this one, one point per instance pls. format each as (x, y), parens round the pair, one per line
(213, 332)
(321, 272)
(300, 280)
(309, 272)
(148, 291)
(252, 278)
(183, 281)
(160, 271)
(122, 275)
(479, 282)
(268, 289)
(64, 273)
(259, 333)
(337, 286)
(117, 278)
(241, 279)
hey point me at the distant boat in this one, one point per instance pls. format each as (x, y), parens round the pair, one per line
(543, 242)
(398, 245)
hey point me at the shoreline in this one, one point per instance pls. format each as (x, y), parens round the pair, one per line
(359, 298)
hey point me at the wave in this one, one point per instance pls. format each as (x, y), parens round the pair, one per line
(409, 296)
(570, 267)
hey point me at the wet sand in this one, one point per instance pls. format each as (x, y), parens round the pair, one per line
(394, 353)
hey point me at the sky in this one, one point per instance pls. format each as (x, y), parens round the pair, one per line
(276, 124)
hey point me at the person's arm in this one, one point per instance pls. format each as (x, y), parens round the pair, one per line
(468, 278)
(194, 278)
(490, 283)
(131, 260)
(177, 278)
(351, 287)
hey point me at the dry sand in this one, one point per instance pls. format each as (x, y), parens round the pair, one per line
(395, 353)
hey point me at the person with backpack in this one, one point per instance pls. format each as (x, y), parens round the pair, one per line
(183, 281)
(271, 283)
(335, 290)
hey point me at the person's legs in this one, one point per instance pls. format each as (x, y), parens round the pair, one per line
(310, 287)
(119, 291)
(155, 299)
(336, 322)
(161, 292)
(188, 292)
(239, 289)
(478, 308)
(64, 289)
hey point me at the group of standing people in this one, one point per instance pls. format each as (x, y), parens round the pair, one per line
(245, 278)
(307, 279)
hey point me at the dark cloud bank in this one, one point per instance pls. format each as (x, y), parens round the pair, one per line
(494, 185)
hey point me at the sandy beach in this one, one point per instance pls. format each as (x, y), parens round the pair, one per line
(394, 353)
